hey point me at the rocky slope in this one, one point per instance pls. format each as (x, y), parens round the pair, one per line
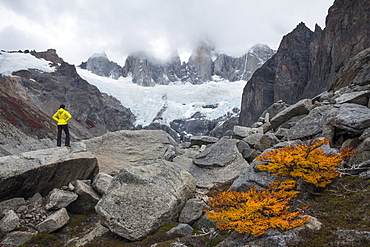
(30, 97)
(307, 62)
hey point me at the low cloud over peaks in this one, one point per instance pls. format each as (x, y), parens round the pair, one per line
(79, 28)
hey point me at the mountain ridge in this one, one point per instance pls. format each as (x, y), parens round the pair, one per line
(146, 70)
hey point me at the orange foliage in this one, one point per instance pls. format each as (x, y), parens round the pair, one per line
(307, 162)
(254, 211)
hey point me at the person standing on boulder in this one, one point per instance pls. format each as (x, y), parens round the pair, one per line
(62, 117)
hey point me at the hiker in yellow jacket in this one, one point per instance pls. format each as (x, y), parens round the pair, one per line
(62, 117)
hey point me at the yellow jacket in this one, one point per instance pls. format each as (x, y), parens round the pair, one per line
(62, 116)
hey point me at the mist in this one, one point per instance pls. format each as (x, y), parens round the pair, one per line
(79, 28)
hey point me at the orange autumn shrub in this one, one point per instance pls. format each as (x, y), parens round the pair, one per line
(305, 161)
(255, 211)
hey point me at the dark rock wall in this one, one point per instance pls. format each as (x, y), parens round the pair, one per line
(307, 63)
(282, 77)
(258, 94)
(345, 35)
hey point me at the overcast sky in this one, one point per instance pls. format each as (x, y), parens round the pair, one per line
(79, 28)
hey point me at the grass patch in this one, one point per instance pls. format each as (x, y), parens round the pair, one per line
(161, 238)
(44, 239)
(343, 205)
(78, 225)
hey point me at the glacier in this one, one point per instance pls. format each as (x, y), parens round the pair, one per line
(178, 100)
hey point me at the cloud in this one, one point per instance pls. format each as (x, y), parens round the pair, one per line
(79, 28)
(15, 39)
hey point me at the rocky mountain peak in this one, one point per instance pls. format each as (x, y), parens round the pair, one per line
(300, 32)
(49, 55)
(99, 64)
(289, 69)
(201, 60)
(262, 50)
(317, 28)
(202, 51)
(99, 55)
(147, 70)
(242, 68)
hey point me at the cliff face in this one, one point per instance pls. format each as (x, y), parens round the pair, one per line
(242, 68)
(307, 63)
(201, 60)
(282, 77)
(345, 35)
(99, 64)
(147, 71)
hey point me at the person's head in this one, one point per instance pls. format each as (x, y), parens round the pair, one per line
(62, 106)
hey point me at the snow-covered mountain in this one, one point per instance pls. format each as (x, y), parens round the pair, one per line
(209, 84)
(10, 62)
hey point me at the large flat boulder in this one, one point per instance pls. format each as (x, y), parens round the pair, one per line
(41, 171)
(300, 108)
(313, 124)
(219, 164)
(143, 197)
(55, 221)
(117, 150)
(352, 118)
(220, 154)
(360, 98)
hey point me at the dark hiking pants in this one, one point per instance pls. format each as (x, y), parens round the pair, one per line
(59, 137)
